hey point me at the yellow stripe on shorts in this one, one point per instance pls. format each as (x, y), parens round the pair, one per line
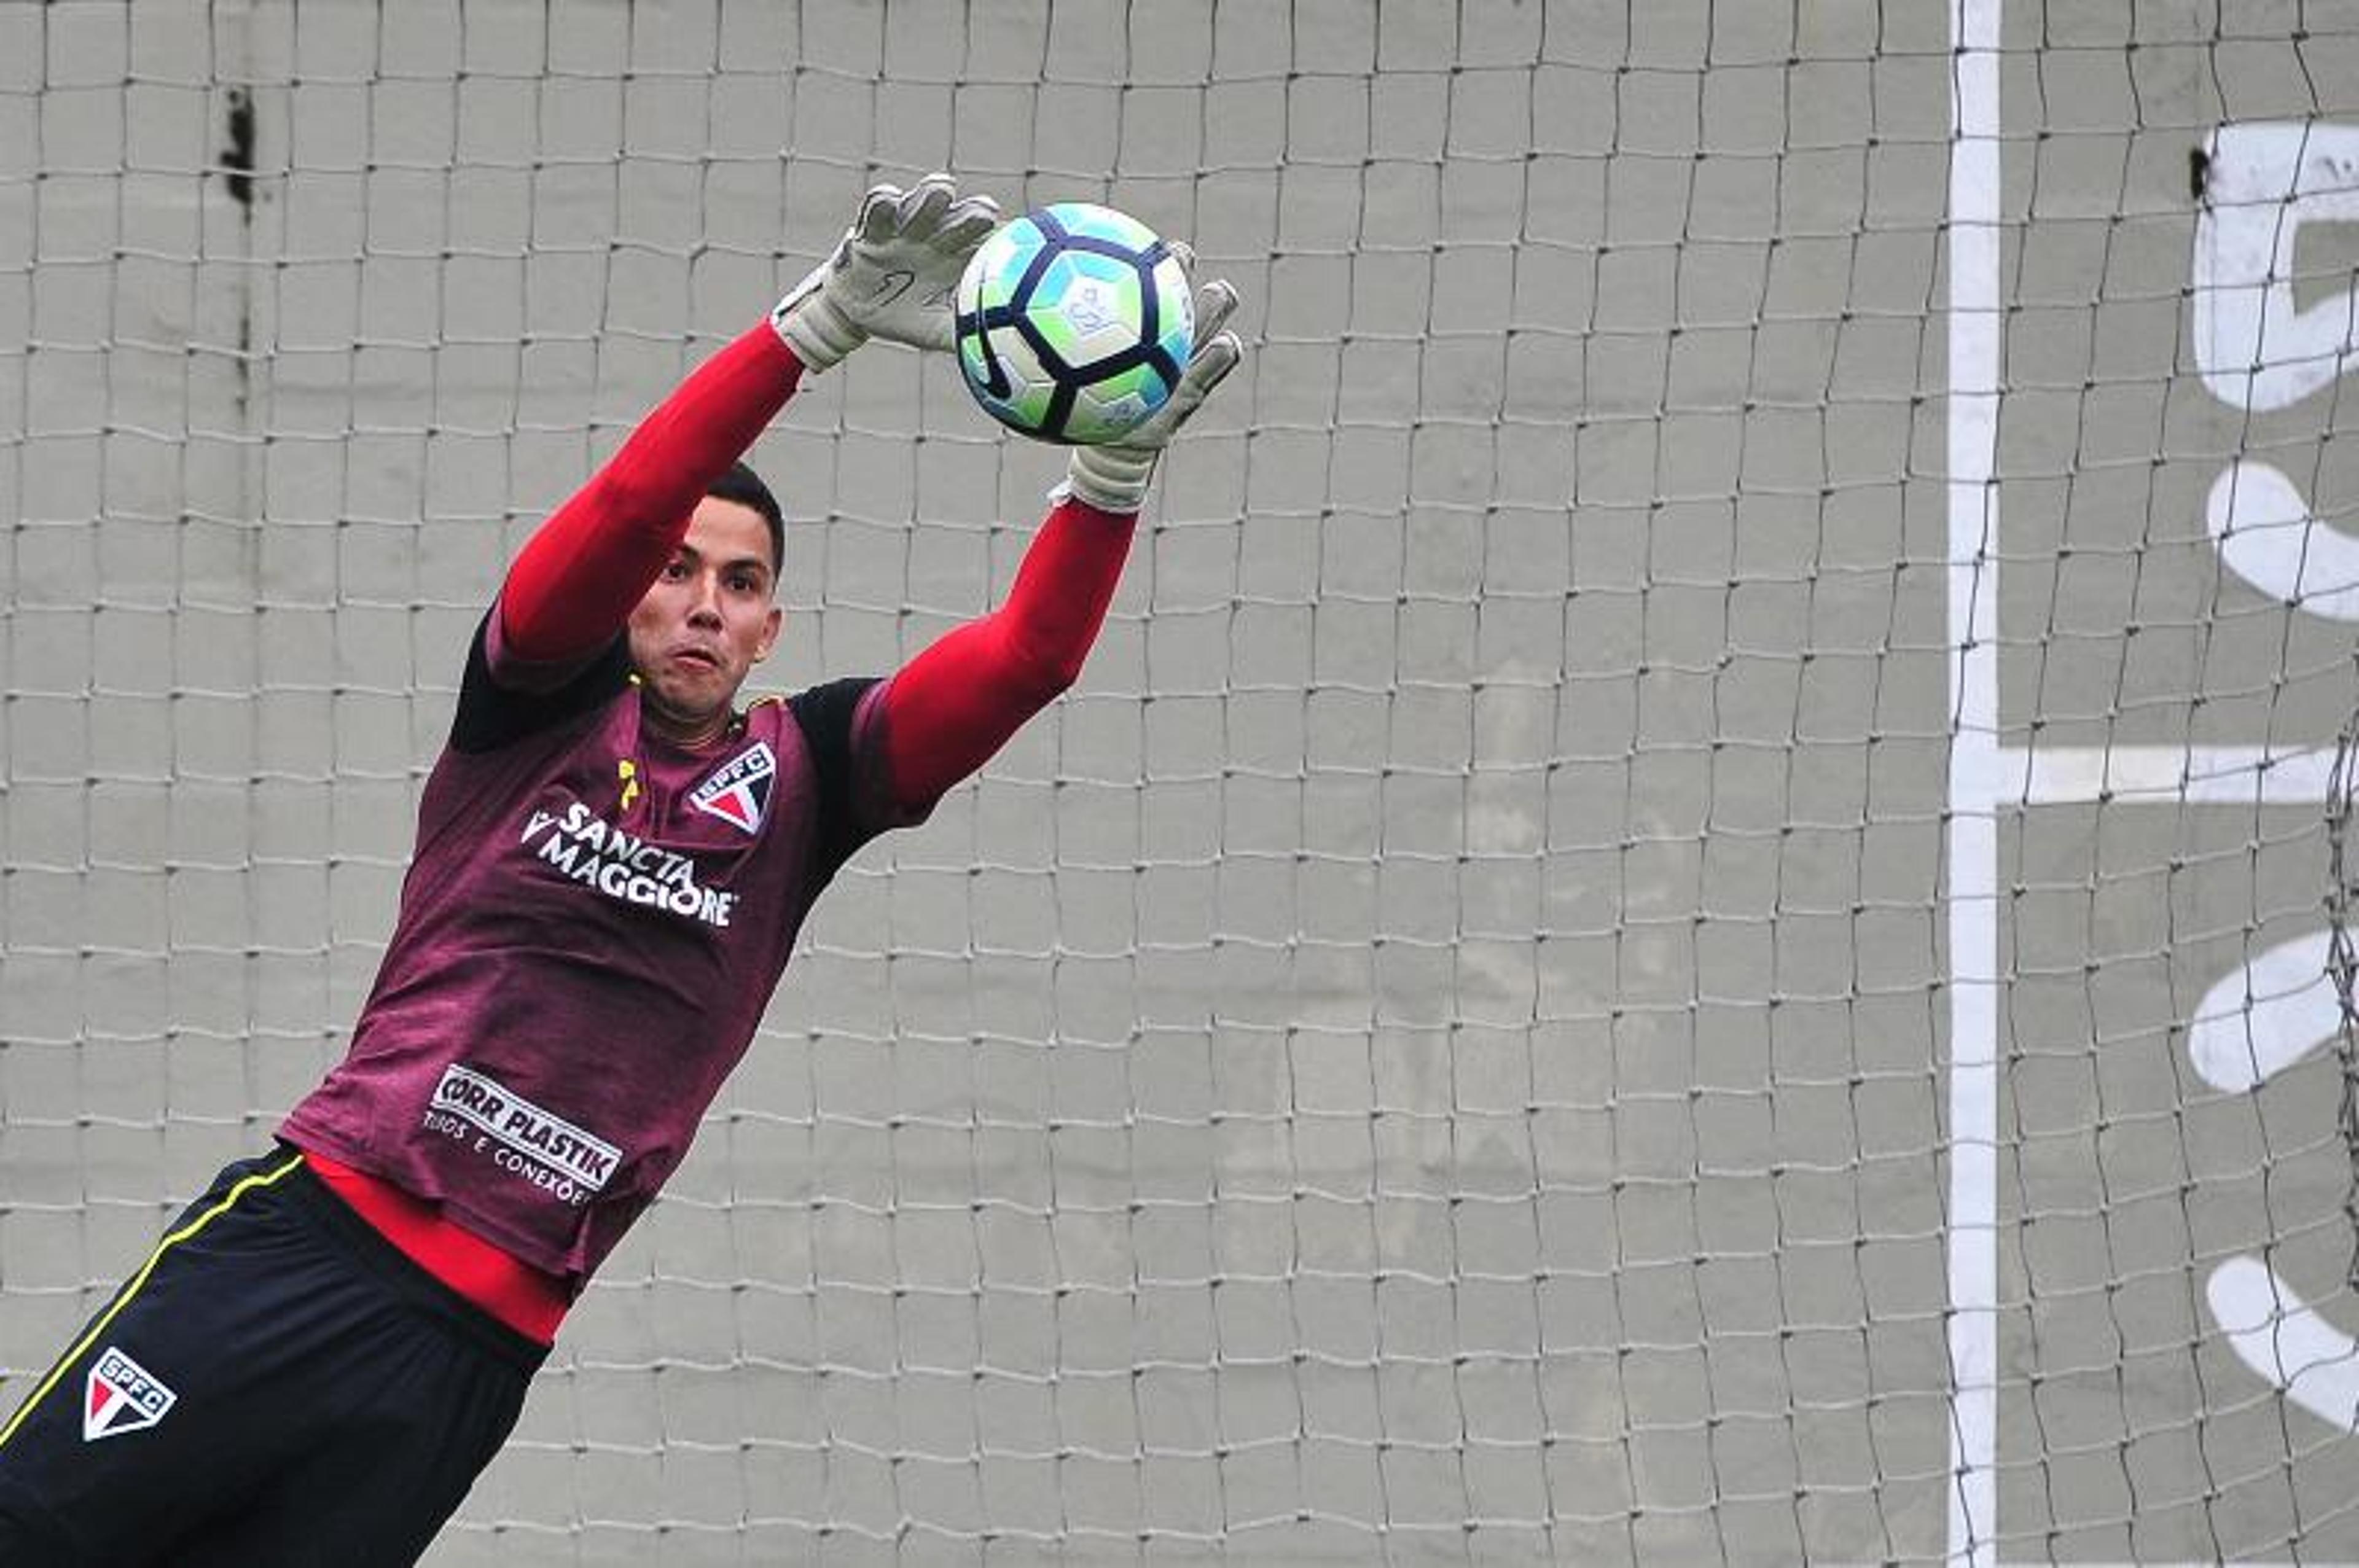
(123, 1298)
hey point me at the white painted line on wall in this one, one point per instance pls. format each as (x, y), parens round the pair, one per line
(2266, 1015)
(1975, 346)
(2208, 775)
(2284, 1339)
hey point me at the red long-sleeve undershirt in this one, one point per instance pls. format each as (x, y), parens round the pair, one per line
(571, 589)
(958, 702)
(576, 581)
(581, 573)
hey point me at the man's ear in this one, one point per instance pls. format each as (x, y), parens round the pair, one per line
(770, 627)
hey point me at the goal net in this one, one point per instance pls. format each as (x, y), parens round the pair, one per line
(1684, 916)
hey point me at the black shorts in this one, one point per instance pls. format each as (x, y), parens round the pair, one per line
(275, 1385)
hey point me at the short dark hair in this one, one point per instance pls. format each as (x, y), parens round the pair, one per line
(743, 486)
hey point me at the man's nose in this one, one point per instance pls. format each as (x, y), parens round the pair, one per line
(704, 599)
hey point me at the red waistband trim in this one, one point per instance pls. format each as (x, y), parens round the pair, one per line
(527, 1300)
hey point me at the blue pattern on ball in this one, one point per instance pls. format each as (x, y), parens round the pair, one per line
(1074, 322)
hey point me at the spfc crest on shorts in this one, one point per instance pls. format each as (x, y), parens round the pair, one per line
(739, 793)
(120, 1395)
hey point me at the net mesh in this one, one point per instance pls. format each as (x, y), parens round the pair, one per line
(2343, 955)
(1435, 1050)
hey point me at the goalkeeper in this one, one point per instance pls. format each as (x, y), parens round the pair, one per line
(612, 859)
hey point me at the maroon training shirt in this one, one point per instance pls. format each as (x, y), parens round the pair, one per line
(593, 920)
(589, 930)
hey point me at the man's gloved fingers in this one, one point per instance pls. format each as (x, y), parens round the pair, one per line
(922, 206)
(1185, 251)
(1215, 302)
(967, 224)
(878, 213)
(1214, 358)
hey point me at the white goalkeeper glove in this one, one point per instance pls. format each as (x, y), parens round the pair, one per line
(1114, 478)
(894, 275)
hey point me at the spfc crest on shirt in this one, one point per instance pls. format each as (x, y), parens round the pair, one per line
(739, 793)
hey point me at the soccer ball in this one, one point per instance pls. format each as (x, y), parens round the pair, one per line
(1074, 324)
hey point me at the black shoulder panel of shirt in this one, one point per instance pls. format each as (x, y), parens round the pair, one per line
(824, 714)
(491, 716)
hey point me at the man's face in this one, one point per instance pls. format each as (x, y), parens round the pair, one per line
(706, 621)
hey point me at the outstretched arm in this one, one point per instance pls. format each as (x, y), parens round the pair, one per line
(574, 583)
(890, 276)
(958, 702)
